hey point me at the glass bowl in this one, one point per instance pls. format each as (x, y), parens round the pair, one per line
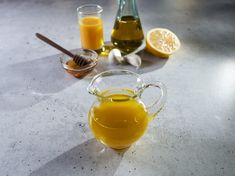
(79, 71)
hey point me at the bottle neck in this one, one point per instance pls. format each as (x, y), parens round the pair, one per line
(127, 8)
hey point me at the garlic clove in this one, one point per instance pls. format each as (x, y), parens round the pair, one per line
(115, 56)
(111, 58)
(118, 55)
(133, 59)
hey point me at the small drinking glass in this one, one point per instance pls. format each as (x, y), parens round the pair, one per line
(91, 26)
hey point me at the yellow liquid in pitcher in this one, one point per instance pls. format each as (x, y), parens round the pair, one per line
(127, 33)
(120, 122)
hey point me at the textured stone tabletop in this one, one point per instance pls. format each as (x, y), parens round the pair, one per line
(43, 110)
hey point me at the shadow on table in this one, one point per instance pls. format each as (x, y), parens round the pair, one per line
(88, 158)
(27, 83)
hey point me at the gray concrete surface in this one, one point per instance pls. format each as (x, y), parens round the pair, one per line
(43, 110)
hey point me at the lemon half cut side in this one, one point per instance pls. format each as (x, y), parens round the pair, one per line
(162, 42)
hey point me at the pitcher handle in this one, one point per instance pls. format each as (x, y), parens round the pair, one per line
(156, 107)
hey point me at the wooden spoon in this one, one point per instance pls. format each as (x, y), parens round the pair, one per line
(78, 59)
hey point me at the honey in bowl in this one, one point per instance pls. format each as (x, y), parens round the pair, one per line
(73, 68)
(119, 120)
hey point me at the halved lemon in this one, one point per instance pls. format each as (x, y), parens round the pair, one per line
(162, 42)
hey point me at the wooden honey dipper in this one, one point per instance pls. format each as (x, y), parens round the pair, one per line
(78, 59)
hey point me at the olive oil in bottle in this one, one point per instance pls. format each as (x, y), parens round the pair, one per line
(127, 33)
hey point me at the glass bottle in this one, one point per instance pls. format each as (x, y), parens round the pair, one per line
(127, 33)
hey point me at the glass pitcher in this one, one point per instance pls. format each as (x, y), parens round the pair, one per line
(119, 117)
(127, 34)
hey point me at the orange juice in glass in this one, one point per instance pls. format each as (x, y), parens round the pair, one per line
(91, 26)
